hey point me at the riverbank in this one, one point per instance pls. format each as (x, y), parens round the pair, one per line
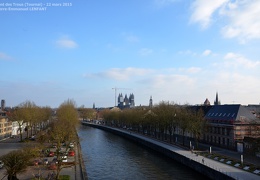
(210, 168)
(81, 173)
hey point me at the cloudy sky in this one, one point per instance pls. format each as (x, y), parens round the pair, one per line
(181, 51)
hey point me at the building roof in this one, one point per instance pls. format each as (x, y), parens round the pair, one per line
(234, 112)
(204, 108)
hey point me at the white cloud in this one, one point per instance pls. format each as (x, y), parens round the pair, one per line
(66, 42)
(244, 20)
(193, 70)
(236, 87)
(121, 73)
(185, 85)
(203, 11)
(235, 60)
(145, 52)
(167, 82)
(241, 17)
(206, 53)
(4, 56)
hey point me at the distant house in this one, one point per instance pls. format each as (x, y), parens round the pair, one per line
(229, 124)
(5, 125)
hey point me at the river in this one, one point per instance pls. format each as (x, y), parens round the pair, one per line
(108, 156)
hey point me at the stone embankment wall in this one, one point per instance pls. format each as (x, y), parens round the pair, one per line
(82, 169)
(201, 168)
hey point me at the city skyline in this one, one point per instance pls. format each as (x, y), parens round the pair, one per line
(173, 50)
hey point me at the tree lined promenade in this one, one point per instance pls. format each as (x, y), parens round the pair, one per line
(167, 121)
(204, 162)
(177, 125)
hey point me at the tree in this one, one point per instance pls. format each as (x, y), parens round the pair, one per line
(63, 129)
(17, 161)
(197, 125)
(87, 113)
(29, 114)
(184, 119)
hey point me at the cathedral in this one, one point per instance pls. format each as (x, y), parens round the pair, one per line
(125, 102)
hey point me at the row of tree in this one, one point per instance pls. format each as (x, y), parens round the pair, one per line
(30, 117)
(52, 128)
(162, 121)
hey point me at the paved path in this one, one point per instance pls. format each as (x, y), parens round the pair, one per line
(226, 169)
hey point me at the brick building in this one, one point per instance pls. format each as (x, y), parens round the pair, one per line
(229, 124)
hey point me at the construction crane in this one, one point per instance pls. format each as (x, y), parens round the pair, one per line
(116, 88)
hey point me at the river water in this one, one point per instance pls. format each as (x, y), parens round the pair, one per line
(108, 156)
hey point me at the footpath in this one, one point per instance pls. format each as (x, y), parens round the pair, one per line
(205, 162)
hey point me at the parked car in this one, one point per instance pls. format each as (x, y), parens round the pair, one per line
(53, 166)
(1, 164)
(71, 153)
(51, 154)
(71, 145)
(32, 138)
(55, 160)
(45, 161)
(64, 157)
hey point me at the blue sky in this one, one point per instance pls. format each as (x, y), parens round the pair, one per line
(181, 51)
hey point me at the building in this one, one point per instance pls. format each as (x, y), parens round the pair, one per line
(217, 102)
(206, 102)
(125, 102)
(2, 104)
(5, 125)
(229, 124)
(151, 102)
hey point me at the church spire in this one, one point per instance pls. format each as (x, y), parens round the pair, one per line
(217, 102)
(150, 102)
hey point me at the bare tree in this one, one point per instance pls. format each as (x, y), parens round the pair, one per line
(17, 161)
(63, 130)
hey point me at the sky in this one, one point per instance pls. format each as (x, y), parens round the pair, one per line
(181, 51)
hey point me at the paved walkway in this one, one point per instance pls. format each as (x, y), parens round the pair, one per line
(231, 171)
(226, 169)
